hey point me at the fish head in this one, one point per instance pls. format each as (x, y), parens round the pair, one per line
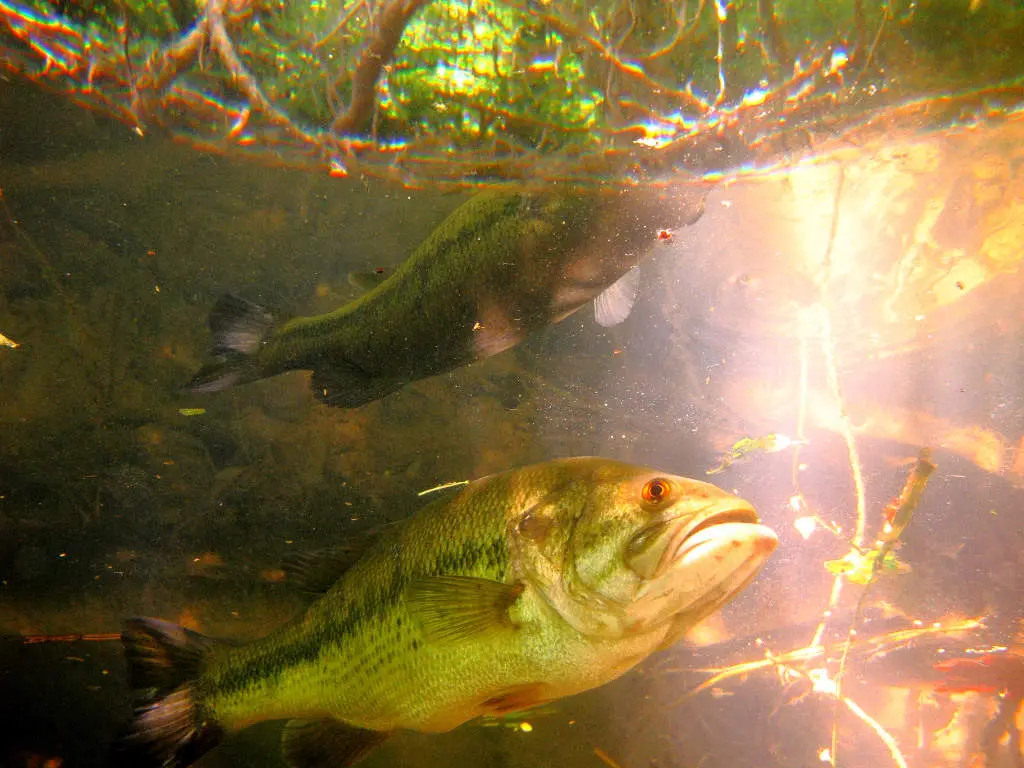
(641, 551)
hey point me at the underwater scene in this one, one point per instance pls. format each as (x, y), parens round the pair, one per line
(512, 384)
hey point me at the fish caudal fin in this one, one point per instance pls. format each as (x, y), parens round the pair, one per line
(168, 728)
(239, 328)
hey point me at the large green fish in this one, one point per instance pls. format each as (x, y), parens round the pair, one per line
(500, 267)
(522, 588)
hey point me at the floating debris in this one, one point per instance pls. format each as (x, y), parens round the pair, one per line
(443, 487)
(748, 446)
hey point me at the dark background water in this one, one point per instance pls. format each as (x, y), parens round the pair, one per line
(112, 502)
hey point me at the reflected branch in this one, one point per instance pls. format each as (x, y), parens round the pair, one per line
(390, 24)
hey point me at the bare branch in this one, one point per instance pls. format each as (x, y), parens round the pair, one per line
(378, 51)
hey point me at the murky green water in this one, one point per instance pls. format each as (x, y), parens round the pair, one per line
(839, 315)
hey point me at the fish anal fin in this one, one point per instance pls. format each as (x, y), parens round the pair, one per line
(318, 571)
(344, 386)
(326, 743)
(516, 699)
(455, 608)
(615, 303)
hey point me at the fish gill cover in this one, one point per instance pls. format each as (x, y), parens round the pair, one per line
(462, 93)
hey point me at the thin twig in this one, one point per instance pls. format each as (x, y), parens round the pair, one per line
(342, 22)
(683, 31)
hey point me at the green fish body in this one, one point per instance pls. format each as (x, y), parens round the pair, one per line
(500, 267)
(522, 588)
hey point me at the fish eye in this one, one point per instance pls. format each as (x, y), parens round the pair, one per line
(656, 490)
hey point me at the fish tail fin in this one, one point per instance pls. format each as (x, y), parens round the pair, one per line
(239, 328)
(169, 726)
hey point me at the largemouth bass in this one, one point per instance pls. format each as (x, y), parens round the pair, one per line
(500, 267)
(522, 588)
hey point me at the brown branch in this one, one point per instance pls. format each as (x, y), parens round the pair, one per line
(567, 27)
(390, 25)
(774, 42)
(244, 80)
(163, 67)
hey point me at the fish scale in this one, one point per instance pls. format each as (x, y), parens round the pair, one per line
(520, 588)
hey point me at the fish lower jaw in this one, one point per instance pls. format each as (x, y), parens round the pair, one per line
(709, 569)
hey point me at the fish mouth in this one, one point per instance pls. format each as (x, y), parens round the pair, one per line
(703, 564)
(688, 539)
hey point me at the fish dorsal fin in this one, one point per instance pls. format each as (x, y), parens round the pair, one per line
(326, 743)
(454, 608)
(616, 302)
(318, 571)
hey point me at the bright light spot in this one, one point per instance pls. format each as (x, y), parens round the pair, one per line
(796, 503)
(778, 443)
(525, 727)
(822, 683)
(753, 98)
(825, 755)
(652, 143)
(839, 60)
(805, 526)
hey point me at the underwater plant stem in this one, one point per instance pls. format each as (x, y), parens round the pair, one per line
(605, 758)
(885, 737)
(872, 646)
(848, 436)
(389, 26)
(904, 509)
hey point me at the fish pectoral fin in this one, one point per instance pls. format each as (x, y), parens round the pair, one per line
(616, 302)
(517, 699)
(318, 571)
(453, 608)
(326, 743)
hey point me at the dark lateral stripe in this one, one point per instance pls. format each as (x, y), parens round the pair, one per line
(275, 661)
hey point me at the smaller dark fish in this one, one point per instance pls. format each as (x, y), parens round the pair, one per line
(500, 267)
